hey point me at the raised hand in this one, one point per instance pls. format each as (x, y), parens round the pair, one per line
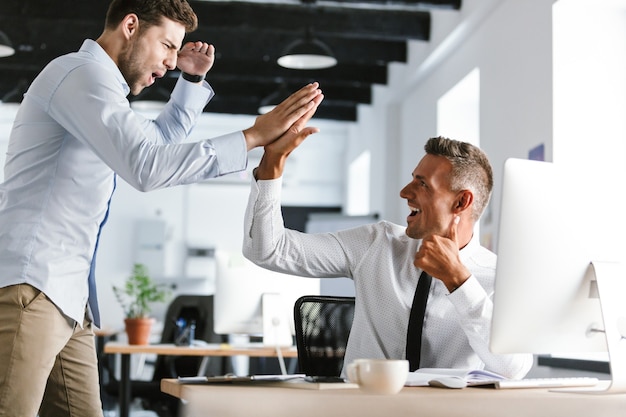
(276, 153)
(270, 126)
(196, 58)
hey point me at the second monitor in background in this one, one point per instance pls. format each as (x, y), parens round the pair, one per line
(250, 300)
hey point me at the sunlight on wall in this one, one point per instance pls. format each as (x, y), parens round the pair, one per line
(458, 117)
(589, 81)
(358, 186)
(589, 109)
(458, 110)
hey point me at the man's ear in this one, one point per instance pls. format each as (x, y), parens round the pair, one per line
(130, 25)
(463, 201)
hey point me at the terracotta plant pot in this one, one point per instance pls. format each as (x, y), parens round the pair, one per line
(138, 330)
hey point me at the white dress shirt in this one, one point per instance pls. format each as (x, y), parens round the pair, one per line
(379, 259)
(73, 130)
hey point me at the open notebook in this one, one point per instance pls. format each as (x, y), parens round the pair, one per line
(423, 376)
(461, 378)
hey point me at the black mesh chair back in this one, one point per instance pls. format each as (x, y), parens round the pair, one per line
(322, 325)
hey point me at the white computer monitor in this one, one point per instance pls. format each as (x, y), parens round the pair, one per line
(250, 300)
(552, 262)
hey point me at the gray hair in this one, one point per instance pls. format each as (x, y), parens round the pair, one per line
(471, 169)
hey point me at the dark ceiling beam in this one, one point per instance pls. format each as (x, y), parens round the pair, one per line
(236, 98)
(264, 72)
(346, 111)
(252, 18)
(292, 20)
(48, 38)
(268, 46)
(364, 35)
(58, 9)
(421, 4)
(254, 92)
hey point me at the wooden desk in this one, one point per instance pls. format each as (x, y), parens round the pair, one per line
(263, 401)
(125, 350)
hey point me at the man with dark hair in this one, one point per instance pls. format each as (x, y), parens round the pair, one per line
(448, 191)
(73, 136)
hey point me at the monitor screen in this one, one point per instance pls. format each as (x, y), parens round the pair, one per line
(251, 300)
(546, 298)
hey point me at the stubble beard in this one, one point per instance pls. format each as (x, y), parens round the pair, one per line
(130, 67)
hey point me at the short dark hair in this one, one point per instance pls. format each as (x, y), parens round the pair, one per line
(471, 169)
(150, 13)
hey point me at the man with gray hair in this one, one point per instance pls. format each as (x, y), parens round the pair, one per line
(448, 191)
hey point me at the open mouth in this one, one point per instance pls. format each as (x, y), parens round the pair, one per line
(414, 211)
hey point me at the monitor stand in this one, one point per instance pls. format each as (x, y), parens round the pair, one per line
(276, 327)
(611, 282)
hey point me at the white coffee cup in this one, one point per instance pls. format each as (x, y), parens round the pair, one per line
(379, 376)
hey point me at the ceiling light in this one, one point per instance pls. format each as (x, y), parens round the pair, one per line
(6, 49)
(307, 54)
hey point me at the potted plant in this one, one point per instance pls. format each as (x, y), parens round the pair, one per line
(135, 297)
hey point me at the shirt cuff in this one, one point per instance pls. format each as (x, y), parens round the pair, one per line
(270, 189)
(231, 152)
(190, 95)
(468, 295)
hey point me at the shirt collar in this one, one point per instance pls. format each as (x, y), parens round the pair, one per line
(93, 48)
(470, 249)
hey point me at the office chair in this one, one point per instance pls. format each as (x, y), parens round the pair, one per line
(322, 325)
(198, 308)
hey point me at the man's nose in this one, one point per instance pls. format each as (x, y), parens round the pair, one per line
(170, 61)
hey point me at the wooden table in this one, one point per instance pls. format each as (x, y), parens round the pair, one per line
(230, 400)
(125, 350)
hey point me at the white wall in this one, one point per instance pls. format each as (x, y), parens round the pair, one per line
(510, 42)
(589, 114)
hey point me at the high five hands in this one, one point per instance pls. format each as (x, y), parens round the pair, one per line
(276, 153)
(291, 115)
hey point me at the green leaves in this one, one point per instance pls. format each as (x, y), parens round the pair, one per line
(138, 292)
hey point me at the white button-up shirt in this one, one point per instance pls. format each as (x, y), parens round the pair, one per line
(73, 130)
(379, 259)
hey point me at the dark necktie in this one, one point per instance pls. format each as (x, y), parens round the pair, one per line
(93, 294)
(416, 320)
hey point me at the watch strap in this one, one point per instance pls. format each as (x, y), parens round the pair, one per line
(193, 78)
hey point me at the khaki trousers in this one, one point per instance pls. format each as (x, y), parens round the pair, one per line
(48, 364)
